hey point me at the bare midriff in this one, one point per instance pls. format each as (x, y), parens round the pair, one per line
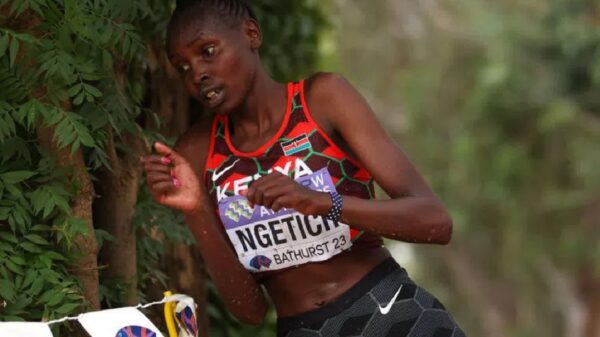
(310, 286)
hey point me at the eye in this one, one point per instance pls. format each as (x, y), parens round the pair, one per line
(208, 51)
(182, 68)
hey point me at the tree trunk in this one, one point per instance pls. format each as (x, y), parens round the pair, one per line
(113, 211)
(170, 101)
(85, 266)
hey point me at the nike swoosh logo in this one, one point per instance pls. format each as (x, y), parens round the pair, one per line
(216, 176)
(388, 307)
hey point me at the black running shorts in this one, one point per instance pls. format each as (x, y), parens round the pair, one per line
(367, 310)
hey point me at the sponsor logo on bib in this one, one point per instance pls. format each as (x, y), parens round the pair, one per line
(268, 240)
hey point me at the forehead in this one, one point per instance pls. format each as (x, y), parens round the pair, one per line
(190, 28)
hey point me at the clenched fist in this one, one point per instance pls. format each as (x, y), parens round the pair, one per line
(276, 191)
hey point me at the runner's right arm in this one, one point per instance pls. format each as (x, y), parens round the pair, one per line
(237, 287)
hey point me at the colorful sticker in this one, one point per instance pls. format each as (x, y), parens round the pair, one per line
(135, 331)
(185, 316)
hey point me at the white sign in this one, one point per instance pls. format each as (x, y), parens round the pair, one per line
(22, 329)
(123, 322)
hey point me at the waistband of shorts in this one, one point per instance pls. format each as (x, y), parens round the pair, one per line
(344, 301)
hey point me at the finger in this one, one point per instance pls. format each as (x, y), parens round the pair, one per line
(159, 160)
(282, 202)
(148, 167)
(274, 192)
(257, 188)
(167, 152)
(268, 178)
(158, 177)
(164, 187)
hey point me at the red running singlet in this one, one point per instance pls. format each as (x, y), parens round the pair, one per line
(265, 240)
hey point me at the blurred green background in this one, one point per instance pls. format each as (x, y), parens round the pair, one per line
(497, 103)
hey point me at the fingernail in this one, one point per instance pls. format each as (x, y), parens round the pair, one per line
(173, 173)
(165, 160)
(176, 182)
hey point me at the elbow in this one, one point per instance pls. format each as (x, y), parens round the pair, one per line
(441, 226)
(447, 227)
(444, 226)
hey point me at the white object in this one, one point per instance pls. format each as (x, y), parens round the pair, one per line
(23, 329)
(122, 322)
(388, 307)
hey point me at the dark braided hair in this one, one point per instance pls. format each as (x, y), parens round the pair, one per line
(231, 12)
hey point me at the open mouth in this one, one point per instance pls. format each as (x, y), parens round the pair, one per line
(213, 97)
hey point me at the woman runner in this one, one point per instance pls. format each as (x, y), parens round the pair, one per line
(277, 187)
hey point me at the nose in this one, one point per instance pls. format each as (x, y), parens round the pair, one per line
(200, 73)
(199, 78)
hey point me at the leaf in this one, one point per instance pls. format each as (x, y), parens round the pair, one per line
(67, 308)
(18, 260)
(36, 286)
(54, 256)
(56, 298)
(37, 239)
(79, 99)
(16, 176)
(8, 237)
(27, 113)
(92, 90)
(51, 276)
(13, 50)
(3, 44)
(5, 247)
(74, 90)
(46, 296)
(7, 290)
(31, 247)
(41, 228)
(30, 276)
(13, 267)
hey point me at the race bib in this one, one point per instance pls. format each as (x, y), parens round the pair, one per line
(268, 240)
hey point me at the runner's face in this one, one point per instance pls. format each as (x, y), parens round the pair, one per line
(217, 62)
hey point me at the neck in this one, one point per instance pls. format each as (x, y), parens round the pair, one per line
(264, 107)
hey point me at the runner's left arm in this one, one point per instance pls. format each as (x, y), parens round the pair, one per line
(412, 214)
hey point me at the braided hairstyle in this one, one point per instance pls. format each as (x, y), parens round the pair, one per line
(230, 12)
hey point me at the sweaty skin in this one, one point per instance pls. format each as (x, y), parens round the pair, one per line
(225, 60)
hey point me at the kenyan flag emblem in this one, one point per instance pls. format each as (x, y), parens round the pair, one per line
(296, 145)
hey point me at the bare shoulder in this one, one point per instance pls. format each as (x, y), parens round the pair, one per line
(325, 82)
(328, 94)
(324, 88)
(194, 144)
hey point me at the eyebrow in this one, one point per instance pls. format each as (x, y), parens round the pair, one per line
(197, 37)
(200, 34)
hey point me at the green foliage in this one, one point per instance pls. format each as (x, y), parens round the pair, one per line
(34, 277)
(77, 72)
(290, 42)
(79, 68)
(157, 226)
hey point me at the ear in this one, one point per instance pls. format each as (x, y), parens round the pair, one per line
(253, 33)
